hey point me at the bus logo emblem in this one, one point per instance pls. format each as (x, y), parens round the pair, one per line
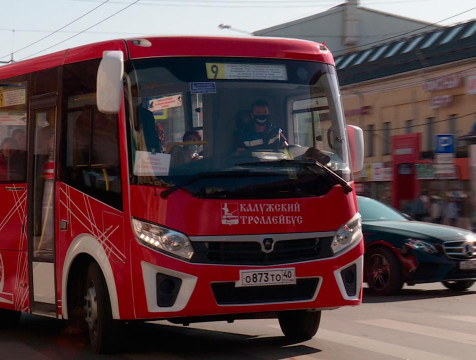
(268, 245)
(230, 214)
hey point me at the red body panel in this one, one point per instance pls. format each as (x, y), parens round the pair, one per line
(231, 47)
(203, 301)
(14, 283)
(199, 217)
(87, 216)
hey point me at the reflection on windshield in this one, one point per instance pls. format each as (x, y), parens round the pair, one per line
(206, 125)
(373, 210)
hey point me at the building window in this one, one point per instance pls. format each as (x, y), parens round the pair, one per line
(386, 139)
(370, 140)
(430, 133)
(452, 122)
(408, 126)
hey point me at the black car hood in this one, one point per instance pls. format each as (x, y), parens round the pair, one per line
(417, 229)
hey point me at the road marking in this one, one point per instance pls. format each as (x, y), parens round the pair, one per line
(471, 319)
(381, 347)
(438, 333)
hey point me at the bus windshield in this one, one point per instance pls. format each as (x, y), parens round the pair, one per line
(235, 127)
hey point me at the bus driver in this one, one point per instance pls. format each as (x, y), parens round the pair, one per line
(260, 134)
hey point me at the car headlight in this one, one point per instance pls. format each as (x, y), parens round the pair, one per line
(471, 238)
(164, 239)
(347, 234)
(421, 245)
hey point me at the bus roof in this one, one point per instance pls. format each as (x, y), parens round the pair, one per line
(178, 46)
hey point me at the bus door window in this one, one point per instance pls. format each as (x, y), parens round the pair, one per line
(43, 243)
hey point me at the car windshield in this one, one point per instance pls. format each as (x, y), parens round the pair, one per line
(373, 210)
(219, 127)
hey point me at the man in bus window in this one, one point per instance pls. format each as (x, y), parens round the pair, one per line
(260, 134)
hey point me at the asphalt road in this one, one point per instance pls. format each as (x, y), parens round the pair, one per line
(424, 322)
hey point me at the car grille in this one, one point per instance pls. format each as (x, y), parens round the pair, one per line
(251, 252)
(460, 249)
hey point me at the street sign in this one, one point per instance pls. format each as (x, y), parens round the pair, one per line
(444, 149)
(444, 144)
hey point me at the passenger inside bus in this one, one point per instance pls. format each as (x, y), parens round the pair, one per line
(20, 136)
(189, 150)
(17, 168)
(9, 147)
(150, 131)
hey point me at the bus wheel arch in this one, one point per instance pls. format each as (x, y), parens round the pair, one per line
(84, 250)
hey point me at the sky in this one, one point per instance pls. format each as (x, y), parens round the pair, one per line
(31, 28)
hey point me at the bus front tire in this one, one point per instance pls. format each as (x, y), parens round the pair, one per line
(97, 312)
(9, 318)
(299, 325)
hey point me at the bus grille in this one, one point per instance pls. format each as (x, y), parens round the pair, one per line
(227, 294)
(251, 252)
(460, 249)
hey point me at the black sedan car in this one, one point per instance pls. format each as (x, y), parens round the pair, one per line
(399, 250)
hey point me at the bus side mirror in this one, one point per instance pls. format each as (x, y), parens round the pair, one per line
(109, 82)
(355, 135)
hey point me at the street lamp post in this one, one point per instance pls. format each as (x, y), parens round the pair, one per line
(231, 28)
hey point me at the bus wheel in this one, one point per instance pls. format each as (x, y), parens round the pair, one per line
(9, 318)
(97, 311)
(299, 325)
(460, 285)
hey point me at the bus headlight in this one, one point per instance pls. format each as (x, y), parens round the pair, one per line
(347, 234)
(164, 239)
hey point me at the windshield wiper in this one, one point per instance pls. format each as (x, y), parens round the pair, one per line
(308, 164)
(199, 176)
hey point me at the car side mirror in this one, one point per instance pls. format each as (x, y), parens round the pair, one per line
(109, 82)
(355, 137)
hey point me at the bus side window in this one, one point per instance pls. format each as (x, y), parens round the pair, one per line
(13, 131)
(91, 163)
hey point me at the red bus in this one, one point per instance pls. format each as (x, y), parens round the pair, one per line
(179, 178)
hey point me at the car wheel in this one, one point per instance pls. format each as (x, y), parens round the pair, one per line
(97, 312)
(9, 318)
(299, 325)
(383, 271)
(460, 285)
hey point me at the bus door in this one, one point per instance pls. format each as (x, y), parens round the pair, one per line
(41, 209)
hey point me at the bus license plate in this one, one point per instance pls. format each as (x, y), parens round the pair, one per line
(267, 277)
(467, 265)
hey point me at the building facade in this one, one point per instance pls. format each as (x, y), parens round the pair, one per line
(415, 99)
(348, 27)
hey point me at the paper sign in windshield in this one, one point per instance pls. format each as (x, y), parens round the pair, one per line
(148, 164)
(12, 119)
(246, 71)
(12, 97)
(165, 102)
